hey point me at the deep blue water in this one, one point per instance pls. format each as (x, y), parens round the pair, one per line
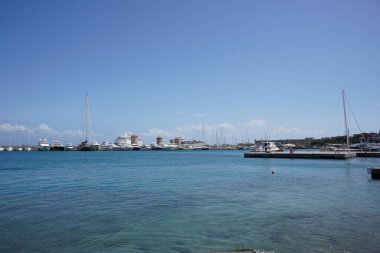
(185, 201)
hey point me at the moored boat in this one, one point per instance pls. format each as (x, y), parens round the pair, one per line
(43, 145)
(123, 143)
(56, 146)
(84, 146)
(95, 146)
(266, 146)
(69, 147)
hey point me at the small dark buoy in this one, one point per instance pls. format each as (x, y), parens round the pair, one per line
(272, 172)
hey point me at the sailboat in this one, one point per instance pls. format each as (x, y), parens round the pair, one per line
(85, 144)
(345, 147)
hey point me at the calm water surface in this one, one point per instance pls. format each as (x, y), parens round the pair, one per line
(186, 201)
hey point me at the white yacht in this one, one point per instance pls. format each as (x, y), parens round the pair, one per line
(107, 146)
(69, 146)
(95, 146)
(123, 143)
(9, 148)
(1, 148)
(43, 145)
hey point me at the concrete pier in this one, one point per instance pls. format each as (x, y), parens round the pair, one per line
(302, 155)
(374, 171)
(367, 154)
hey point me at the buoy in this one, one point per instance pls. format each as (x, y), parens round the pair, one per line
(272, 172)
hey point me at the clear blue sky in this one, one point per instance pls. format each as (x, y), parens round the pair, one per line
(247, 68)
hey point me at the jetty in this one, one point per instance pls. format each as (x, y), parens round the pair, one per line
(374, 171)
(367, 154)
(302, 155)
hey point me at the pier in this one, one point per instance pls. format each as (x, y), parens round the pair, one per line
(302, 155)
(367, 154)
(375, 172)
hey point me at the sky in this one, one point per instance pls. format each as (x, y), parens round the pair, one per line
(242, 69)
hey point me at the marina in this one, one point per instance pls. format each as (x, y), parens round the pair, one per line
(190, 126)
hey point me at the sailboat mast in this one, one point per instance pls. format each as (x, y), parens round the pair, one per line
(86, 117)
(203, 133)
(345, 118)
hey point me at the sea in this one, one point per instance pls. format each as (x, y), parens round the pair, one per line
(185, 201)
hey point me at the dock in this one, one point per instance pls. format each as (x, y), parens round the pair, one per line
(367, 154)
(374, 171)
(302, 155)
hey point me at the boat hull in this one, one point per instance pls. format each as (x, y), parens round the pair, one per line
(43, 148)
(57, 148)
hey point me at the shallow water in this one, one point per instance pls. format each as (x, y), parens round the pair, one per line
(185, 201)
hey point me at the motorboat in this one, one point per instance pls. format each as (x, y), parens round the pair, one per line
(107, 146)
(95, 146)
(69, 146)
(56, 146)
(266, 146)
(43, 145)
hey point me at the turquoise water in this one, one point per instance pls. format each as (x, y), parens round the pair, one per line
(185, 201)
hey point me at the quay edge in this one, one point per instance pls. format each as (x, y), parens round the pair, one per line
(375, 172)
(302, 155)
(367, 154)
